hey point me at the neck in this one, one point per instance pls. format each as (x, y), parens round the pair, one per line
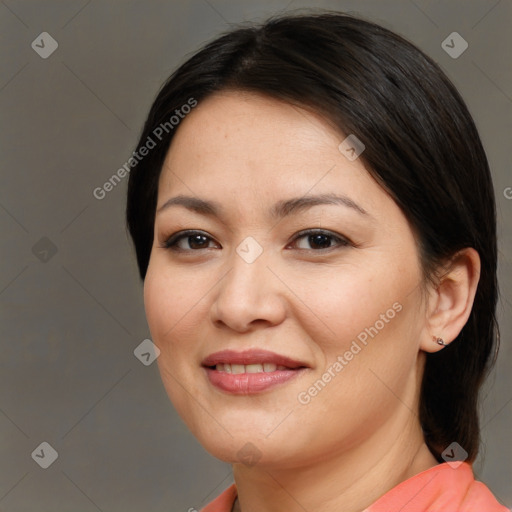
(349, 480)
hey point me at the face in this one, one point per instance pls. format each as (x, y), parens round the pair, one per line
(283, 287)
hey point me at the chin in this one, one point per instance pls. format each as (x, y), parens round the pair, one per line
(249, 449)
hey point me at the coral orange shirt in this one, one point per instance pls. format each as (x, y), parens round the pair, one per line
(438, 489)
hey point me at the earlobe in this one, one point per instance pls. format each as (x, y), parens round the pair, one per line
(435, 344)
(439, 341)
(451, 303)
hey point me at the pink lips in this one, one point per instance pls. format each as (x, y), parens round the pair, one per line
(248, 382)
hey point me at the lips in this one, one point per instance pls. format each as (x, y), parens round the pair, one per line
(250, 371)
(249, 368)
(250, 358)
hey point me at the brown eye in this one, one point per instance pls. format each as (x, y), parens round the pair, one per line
(188, 241)
(319, 240)
(197, 241)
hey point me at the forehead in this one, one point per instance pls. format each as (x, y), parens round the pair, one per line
(233, 131)
(244, 145)
(245, 123)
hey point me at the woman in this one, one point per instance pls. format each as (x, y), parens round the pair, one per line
(314, 222)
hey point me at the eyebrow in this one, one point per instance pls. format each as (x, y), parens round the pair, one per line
(279, 210)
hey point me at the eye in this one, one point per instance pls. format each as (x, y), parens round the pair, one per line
(187, 240)
(314, 239)
(318, 239)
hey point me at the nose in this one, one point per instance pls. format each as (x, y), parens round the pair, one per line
(249, 295)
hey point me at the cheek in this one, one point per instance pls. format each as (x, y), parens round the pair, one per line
(366, 317)
(168, 298)
(176, 304)
(344, 301)
(167, 302)
(368, 355)
(156, 302)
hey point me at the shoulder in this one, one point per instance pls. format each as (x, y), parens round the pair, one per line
(443, 488)
(223, 502)
(479, 497)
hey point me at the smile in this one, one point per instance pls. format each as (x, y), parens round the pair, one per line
(249, 368)
(251, 371)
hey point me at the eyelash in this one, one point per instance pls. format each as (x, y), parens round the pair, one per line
(172, 241)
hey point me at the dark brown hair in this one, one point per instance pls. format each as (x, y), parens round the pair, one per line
(422, 147)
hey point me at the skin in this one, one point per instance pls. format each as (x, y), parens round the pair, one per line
(360, 435)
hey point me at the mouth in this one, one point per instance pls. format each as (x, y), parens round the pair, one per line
(237, 369)
(250, 371)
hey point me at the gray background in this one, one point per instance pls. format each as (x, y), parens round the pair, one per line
(71, 319)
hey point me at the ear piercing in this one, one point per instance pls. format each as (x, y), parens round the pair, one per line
(439, 341)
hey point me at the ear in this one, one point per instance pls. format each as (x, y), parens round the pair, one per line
(450, 302)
